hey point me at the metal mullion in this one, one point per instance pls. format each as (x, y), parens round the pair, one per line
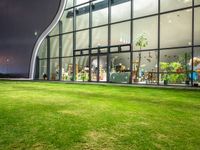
(90, 39)
(131, 41)
(74, 45)
(109, 40)
(48, 57)
(158, 61)
(60, 49)
(192, 80)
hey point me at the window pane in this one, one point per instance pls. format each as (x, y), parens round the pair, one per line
(82, 17)
(197, 26)
(81, 1)
(175, 66)
(145, 67)
(54, 46)
(55, 30)
(69, 3)
(100, 13)
(120, 33)
(43, 69)
(196, 60)
(67, 21)
(67, 69)
(196, 2)
(146, 29)
(120, 68)
(100, 36)
(82, 39)
(82, 68)
(176, 29)
(54, 69)
(121, 12)
(67, 45)
(42, 52)
(167, 5)
(144, 7)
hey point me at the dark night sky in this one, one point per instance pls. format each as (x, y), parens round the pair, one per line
(19, 20)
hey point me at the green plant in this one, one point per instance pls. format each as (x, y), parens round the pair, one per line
(142, 42)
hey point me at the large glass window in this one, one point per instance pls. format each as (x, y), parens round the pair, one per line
(54, 46)
(176, 29)
(121, 12)
(82, 39)
(69, 3)
(175, 66)
(82, 17)
(120, 33)
(67, 21)
(43, 69)
(167, 5)
(197, 2)
(100, 16)
(196, 63)
(42, 52)
(82, 68)
(81, 1)
(67, 49)
(144, 7)
(145, 67)
(120, 68)
(55, 30)
(146, 31)
(54, 69)
(67, 69)
(197, 26)
(100, 36)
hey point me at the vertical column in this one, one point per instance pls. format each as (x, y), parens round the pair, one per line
(60, 49)
(192, 79)
(90, 38)
(158, 61)
(109, 40)
(48, 57)
(131, 47)
(74, 43)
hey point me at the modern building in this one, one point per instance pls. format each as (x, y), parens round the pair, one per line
(124, 41)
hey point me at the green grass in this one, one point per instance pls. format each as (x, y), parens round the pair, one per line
(47, 116)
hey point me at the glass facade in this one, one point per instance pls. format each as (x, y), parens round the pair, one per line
(125, 41)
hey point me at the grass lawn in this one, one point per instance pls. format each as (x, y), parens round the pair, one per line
(42, 115)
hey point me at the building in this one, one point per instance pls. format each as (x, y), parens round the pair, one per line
(124, 41)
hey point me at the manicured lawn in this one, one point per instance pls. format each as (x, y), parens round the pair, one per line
(36, 115)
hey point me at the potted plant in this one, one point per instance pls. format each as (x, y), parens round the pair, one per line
(142, 42)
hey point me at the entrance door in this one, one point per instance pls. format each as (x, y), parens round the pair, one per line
(99, 68)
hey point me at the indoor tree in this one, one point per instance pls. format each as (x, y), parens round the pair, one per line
(141, 42)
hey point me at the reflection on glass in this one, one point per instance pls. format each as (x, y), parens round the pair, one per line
(67, 21)
(54, 69)
(100, 13)
(42, 52)
(82, 68)
(175, 66)
(103, 68)
(144, 7)
(167, 5)
(145, 67)
(94, 68)
(147, 27)
(67, 45)
(67, 69)
(120, 33)
(176, 29)
(121, 12)
(82, 17)
(43, 69)
(82, 39)
(54, 46)
(100, 36)
(120, 68)
(196, 26)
